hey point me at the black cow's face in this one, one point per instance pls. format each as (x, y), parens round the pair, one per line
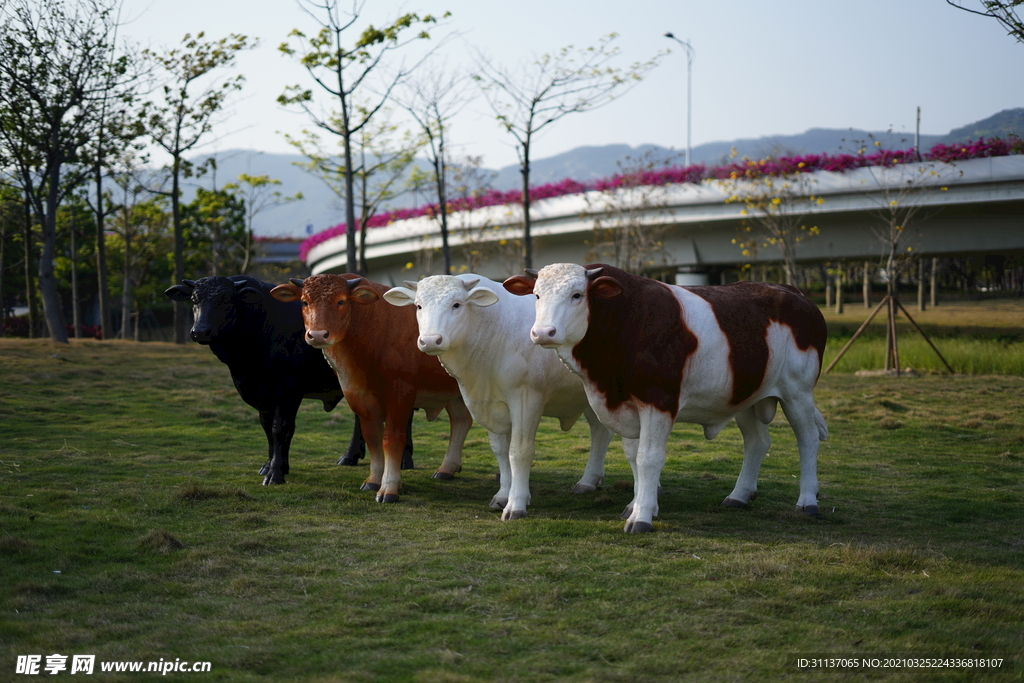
(217, 305)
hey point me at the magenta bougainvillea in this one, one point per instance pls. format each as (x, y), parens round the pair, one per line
(697, 173)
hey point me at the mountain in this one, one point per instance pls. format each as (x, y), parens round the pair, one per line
(321, 208)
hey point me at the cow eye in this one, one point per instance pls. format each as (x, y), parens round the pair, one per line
(418, 307)
(537, 295)
(341, 303)
(577, 295)
(456, 305)
(304, 304)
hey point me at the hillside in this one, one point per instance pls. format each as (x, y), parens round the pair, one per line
(321, 209)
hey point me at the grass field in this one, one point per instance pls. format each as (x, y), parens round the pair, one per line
(132, 527)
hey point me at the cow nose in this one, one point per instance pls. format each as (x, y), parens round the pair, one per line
(317, 335)
(430, 342)
(545, 332)
(200, 336)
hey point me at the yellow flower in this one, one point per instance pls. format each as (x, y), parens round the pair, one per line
(820, 200)
(892, 203)
(409, 266)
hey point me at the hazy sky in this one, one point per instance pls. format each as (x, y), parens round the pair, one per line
(761, 67)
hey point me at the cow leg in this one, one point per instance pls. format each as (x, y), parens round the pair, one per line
(499, 446)
(526, 414)
(282, 432)
(460, 420)
(756, 442)
(650, 459)
(629, 448)
(267, 422)
(356, 447)
(395, 428)
(407, 463)
(600, 437)
(809, 427)
(373, 435)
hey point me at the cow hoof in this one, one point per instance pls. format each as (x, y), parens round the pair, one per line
(583, 488)
(809, 510)
(513, 514)
(272, 481)
(407, 464)
(498, 503)
(628, 512)
(639, 528)
(349, 460)
(369, 486)
(388, 498)
(443, 476)
(264, 470)
(733, 503)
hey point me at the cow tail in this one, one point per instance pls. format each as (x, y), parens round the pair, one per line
(819, 422)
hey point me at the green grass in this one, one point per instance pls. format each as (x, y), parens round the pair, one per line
(132, 471)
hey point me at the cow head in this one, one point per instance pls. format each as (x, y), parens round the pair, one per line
(443, 308)
(564, 292)
(218, 304)
(327, 302)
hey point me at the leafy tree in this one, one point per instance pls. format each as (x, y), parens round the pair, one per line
(139, 247)
(775, 206)
(257, 195)
(216, 232)
(183, 115)
(529, 99)
(357, 79)
(54, 72)
(1003, 11)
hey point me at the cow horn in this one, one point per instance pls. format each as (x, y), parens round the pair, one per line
(189, 283)
(594, 273)
(470, 284)
(410, 284)
(531, 272)
(353, 282)
(296, 281)
(240, 283)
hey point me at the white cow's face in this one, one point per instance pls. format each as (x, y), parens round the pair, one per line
(443, 309)
(562, 312)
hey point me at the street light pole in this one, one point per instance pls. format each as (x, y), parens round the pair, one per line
(689, 70)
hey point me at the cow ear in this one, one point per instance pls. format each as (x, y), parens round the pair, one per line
(606, 287)
(363, 295)
(482, 296)
(520, 285)
(179, 293)
(400, 296)
(286, 293)
(251, 295)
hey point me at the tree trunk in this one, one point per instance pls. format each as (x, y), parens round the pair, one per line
(442, 206)
(932, 283)
(920, 284)
(866, 287)
(103, 291)
(180, 311)
(76, 306)
(126, 291)
(30, 299)
(47, 282)
(527, 238)
(839, 291)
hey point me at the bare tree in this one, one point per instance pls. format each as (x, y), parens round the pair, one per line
(1003, 11)
(529, 99)
(358, 80)
(775, 206)
(432, 100)
(184, 115)
(54, 73)
(624, 235)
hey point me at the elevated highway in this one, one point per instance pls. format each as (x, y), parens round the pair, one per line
(973, 207)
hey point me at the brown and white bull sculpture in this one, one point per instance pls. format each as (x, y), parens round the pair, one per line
(652, 354)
